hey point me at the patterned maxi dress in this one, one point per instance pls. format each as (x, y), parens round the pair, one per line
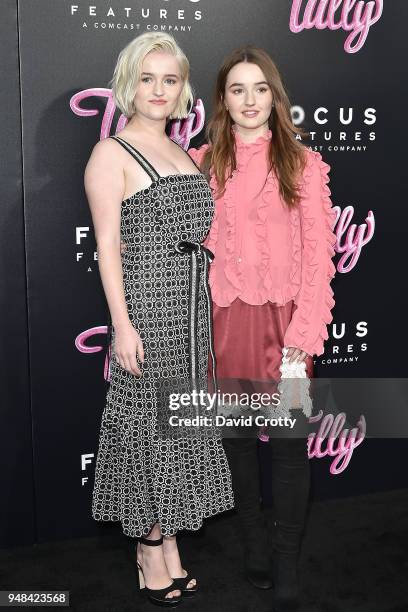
(144, 473)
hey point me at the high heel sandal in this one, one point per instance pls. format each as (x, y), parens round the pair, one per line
(157, 596)
(181, 584)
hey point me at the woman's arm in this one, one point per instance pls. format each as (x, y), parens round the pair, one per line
(105, 186)
(307, 330)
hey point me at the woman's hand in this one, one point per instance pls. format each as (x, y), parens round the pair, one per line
(295, 354)
(127, 345)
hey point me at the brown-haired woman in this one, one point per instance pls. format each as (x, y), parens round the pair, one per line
(270, 281)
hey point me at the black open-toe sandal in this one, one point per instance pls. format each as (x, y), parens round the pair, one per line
(181, 584)
(158, 596)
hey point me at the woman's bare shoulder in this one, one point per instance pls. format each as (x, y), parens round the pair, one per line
(105, 167)
(106, 154)
(106, 147)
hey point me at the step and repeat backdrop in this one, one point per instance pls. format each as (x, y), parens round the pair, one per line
(343, 65)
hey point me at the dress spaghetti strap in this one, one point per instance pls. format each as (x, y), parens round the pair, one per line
(147, 167)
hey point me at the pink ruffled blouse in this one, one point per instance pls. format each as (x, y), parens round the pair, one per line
(265, 252)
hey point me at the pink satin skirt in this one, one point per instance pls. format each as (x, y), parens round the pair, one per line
(248, 342)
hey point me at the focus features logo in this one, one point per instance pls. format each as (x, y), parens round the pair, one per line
(82, 254)
(86, 460)
(345, 342)
(167, 18)
(343, 129)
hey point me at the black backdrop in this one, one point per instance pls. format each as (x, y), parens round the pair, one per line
(53, 390)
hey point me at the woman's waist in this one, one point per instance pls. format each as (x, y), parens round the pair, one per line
(158, 242)
(253, 283)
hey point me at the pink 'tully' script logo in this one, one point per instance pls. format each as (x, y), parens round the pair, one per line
(355, 237)
(82, 346)
(321, 14)
(347, 440)
(182, 130)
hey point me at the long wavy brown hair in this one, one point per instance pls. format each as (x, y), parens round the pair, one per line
(286, 154)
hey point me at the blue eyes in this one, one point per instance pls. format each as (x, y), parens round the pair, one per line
(168, 81)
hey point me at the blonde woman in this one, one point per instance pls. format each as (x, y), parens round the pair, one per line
(142, 186)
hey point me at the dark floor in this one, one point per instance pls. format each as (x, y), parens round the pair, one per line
(354, 557)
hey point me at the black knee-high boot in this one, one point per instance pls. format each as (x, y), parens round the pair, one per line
(290, 487)
(242, 454)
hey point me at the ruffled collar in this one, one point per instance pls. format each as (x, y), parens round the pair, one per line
(261, 140)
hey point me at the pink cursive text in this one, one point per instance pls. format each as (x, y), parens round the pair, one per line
(80, 343)
(321, 14)
(182, 130)
(355, 237)
(332, 429)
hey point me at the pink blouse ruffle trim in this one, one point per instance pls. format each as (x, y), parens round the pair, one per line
(313, 240)
(308, 327)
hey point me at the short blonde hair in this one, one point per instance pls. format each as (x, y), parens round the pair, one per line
(129, 68)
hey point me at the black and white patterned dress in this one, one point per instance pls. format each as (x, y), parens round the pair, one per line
(144, 475)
